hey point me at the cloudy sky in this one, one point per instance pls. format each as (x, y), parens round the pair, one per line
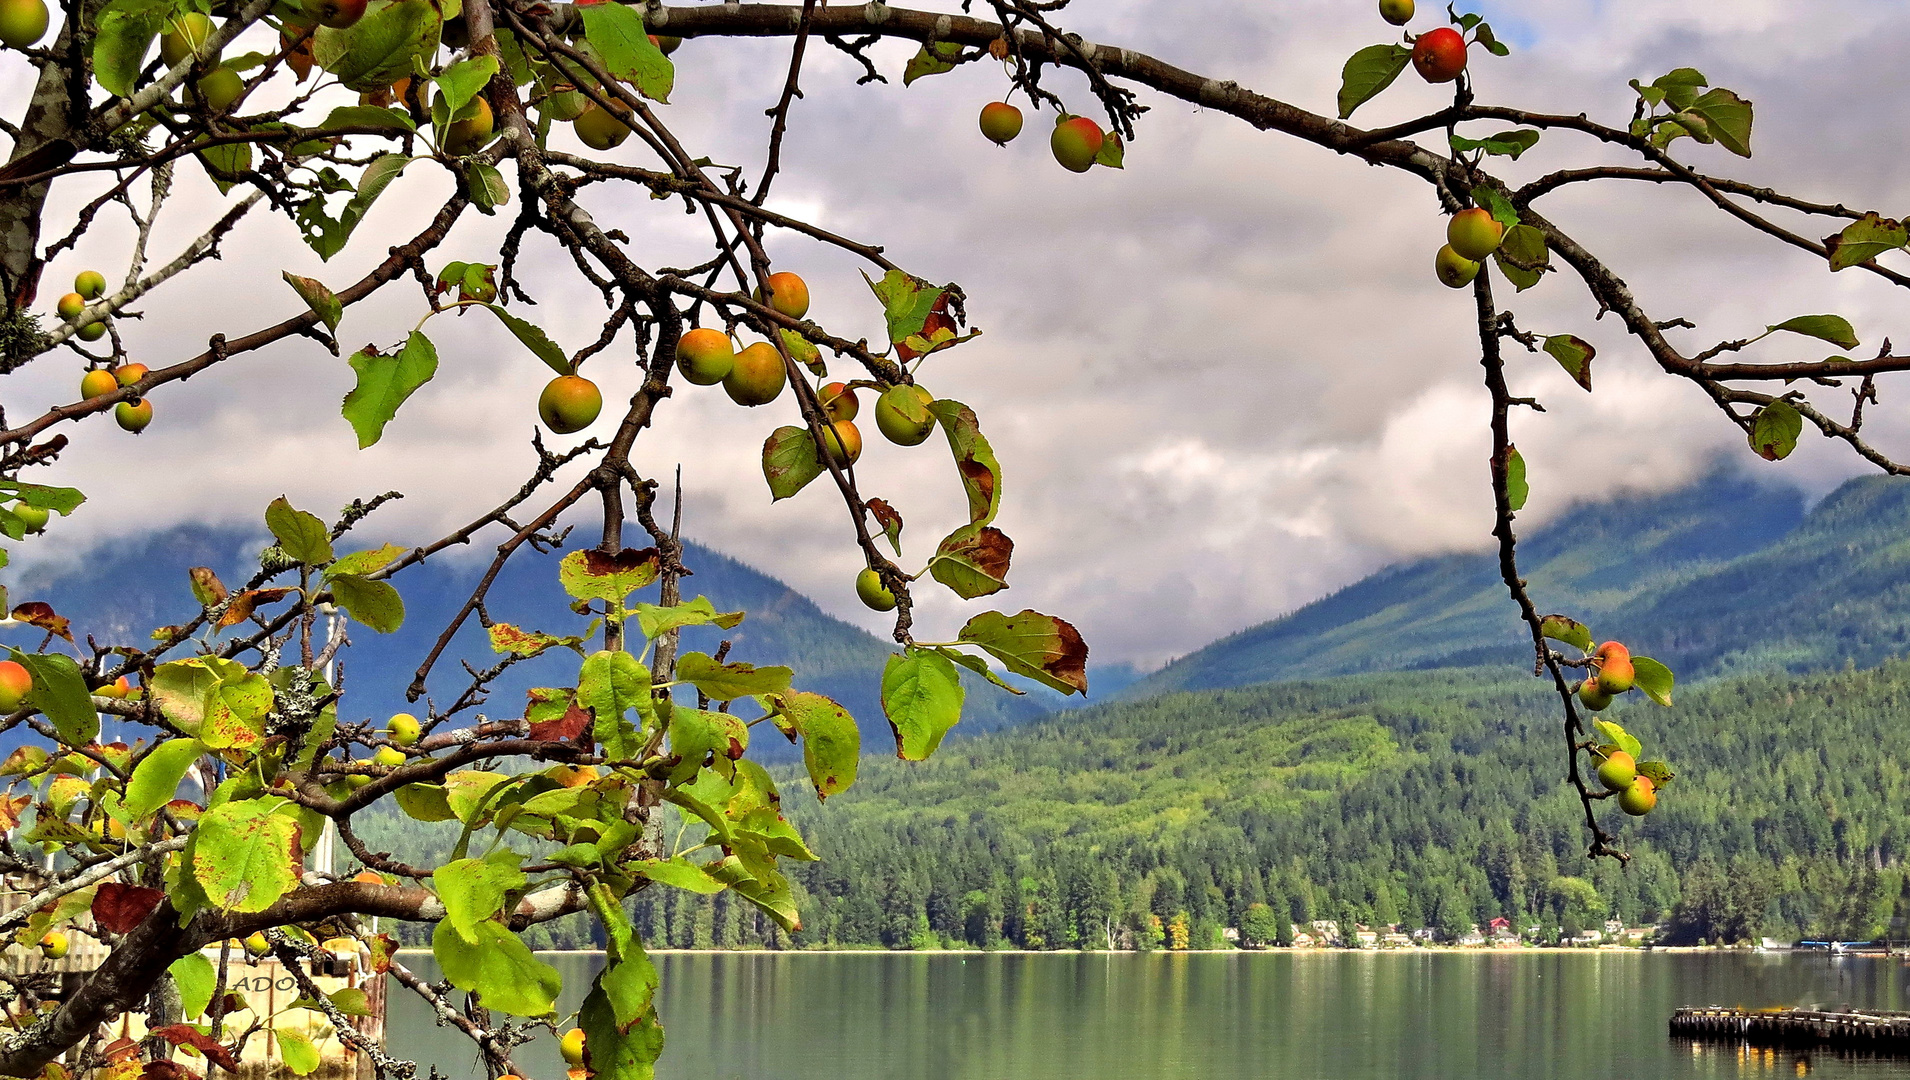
(1223, 381)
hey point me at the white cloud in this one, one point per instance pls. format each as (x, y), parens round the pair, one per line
(1222, 381)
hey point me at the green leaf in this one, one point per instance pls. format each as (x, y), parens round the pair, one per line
(591, 574)
(1112, 151)
(1497, 205)
(194, 976)
(1658, 772)
(922, 698)
(790, 461)
(973, 561)
(488, 189)
(1619, 737)
(1516, 488)
(931, 60)
(374, 603)
(727, 682)
(1522, 256)
(1729, 118)
(656, 621)
(1568, 630)
(368, 116)
(1832, 328)
(218, 700)
(300, 535)
(45, 496)
(384, 382)
(1040, 647)
(616, 32)
(297, 1050)
(1775, 429)
(1505, 144)
(1653, 678)
(328, 237)
(695, 734)
(59, 691)
(907, 302)
(1574, 354)
(499, 966)
(474, 890)
(1678, 89)
(1865, 239)
(368, 561)
(246, 853)
(464, 80)
(1491, 44)
(320, 299)
(123, 34)
(831, 743)
(803, 351)
(425, 802)
(980, 667)
(1368, 72)
(678, 873)
(225, 163)
(380, 48)
(974, 459)
(156, 779)
(617, 1051)
(611, 684)
(535, 340)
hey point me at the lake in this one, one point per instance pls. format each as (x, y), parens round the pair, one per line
(1223, 1016)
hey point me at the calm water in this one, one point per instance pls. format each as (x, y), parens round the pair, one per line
(1330, 1016)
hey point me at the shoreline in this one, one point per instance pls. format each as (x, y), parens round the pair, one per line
(1457, 950)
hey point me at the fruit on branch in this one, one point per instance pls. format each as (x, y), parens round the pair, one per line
(185, 38)
(220, 87)
(403, 729)
(569, 403)
(1001, 122)
(33, 517)
(572, 1046)
(1075, 142)
(1638, 799)
(133, 416)
(466, 136)
(1455, 270)
(666, 45)
(1615, 674)
(70, 306)
(705, 356)
(23, 22)
(1397, 12)
(90, 283)
(128, 374)
(757, 377)
(118, 689)
(92, 331)
(256, 943)
(15, 682)
(1617, 771)
(598, 129)
(337, 14)
(389, 756)
(1590, 696)
(96, 382)
(838, 401)
(1439, 55)
(871, 591)
(55, 946)
(1474, 233)
(842, 442)
(902, 416)
(788, 293)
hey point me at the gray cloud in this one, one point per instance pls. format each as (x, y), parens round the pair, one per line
(1222, 381)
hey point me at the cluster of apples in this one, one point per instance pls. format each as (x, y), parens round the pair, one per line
(132, 415)
(1472, 236)
(1613, 675)
(1075, 143)
(593, 126)
(87, 285)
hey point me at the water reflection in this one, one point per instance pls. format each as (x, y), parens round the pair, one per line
(1290, 1016)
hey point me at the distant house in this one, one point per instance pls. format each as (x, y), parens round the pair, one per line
(1303, 940)
(1367, 939)
(1472, 937)
(1424, 933)
(1395, 940)
(1326, 929)
(1589, 937)
(1499, 926)
(1230, 934)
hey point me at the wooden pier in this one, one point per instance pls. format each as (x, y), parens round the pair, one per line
(1872, 1032)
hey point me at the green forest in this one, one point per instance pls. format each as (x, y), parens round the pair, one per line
(1425, 799)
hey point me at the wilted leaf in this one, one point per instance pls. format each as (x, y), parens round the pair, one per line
(320, 299)
(891, 522)
(206, 586)
(591, 574)
(831, 743)
(120, 908)
(506, 638)
(243, 605)
(974, 459)
(1775, 430)
(246, 853)
(1574, 354)
(973, 561)
(1041, 647)
(42, 615)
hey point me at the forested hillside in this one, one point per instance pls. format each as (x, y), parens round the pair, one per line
(1722, 576)
(1427, 798)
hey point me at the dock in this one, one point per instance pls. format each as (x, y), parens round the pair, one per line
(1875, 1032)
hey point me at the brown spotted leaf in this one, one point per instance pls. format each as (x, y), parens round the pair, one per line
(206, 586)
(973, 561)
(41, 614)
(974, 459)
(506, 638)
(890, 520)
(187, 1035)
(1574, 354)
(555, 718)
(1040, 647)
(248, 601)
(246, 853)
(595, 575)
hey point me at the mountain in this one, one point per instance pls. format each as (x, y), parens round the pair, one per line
(145, 586)
(1724, 576)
